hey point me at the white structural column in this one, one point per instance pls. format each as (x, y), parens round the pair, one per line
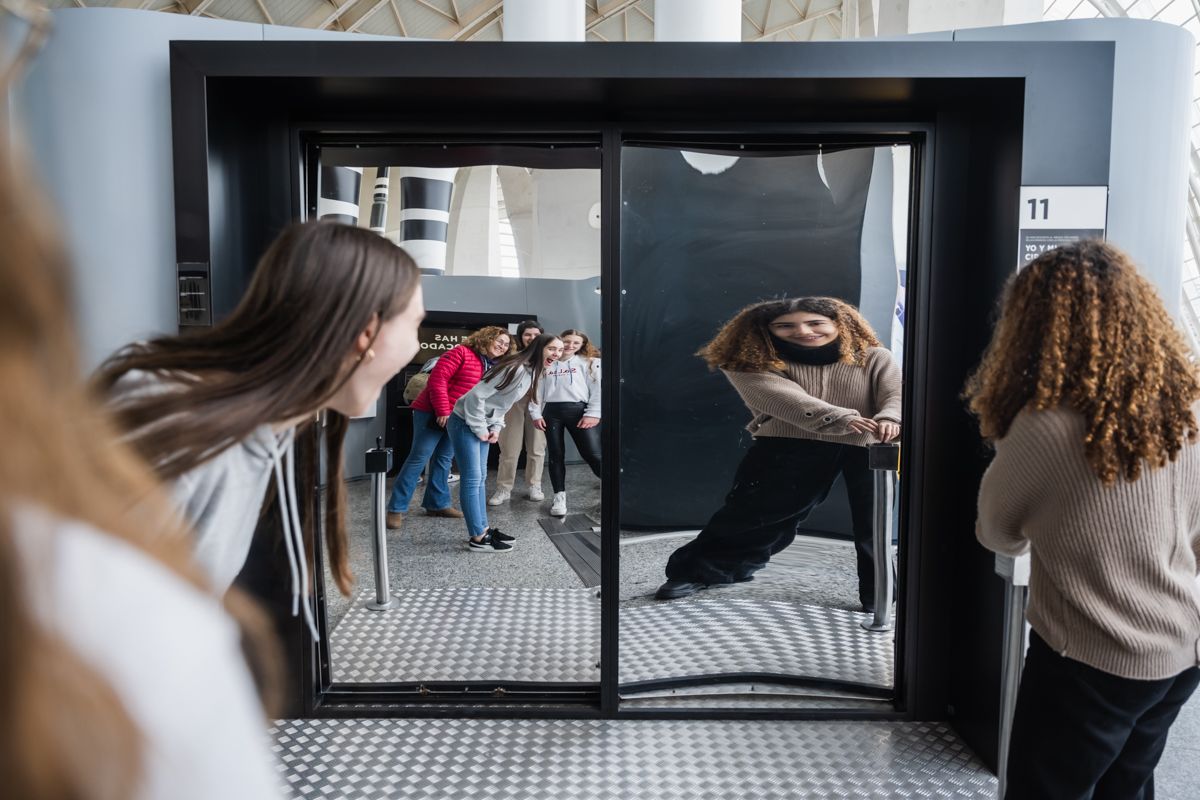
(425, 215)
(543, 20)
(698, 20)
(898, 17)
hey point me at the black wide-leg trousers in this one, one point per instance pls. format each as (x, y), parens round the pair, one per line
(779, 482)
(1082, 734)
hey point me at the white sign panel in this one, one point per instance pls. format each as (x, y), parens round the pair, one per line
(1052, 216)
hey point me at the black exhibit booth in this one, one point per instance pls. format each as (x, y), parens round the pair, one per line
(251, 121)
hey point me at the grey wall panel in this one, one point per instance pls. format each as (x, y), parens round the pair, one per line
(96, 109)
(1145, 161)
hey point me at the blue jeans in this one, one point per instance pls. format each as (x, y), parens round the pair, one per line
(471, 454)
(426, 443)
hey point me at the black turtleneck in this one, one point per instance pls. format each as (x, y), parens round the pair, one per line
(799, 354)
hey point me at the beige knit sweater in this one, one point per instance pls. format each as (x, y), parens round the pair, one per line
(815, 401)
(1113, 580)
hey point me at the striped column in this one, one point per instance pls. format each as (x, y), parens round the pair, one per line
(338, 196)
(425, 215)
(379, 202)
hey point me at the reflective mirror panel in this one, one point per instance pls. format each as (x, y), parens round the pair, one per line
(491, 550)
(762, 332)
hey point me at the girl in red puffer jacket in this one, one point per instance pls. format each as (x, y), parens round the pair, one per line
(457, 371)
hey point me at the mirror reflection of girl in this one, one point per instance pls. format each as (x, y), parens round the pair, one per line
(821, 389)
(476, 423)
(457, 370)
(518, 429)
(330, 316)
(1091, 397)
(569, 402)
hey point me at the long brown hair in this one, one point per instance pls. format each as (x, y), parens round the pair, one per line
(530, 358)
(1079, 327)
(745, 343)
(65, 733)
(279, 356)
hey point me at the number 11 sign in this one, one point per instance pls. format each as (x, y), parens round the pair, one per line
(1056, 215)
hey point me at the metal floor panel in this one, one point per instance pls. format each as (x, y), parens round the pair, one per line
(476, 634)
(553, 636)
(625, 760)
(581, 549)
(738, 636)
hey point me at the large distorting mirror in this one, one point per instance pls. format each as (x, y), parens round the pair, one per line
(505, 236)
(762, 329)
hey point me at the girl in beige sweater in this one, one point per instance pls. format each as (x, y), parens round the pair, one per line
(820, 389)
(1089, 396)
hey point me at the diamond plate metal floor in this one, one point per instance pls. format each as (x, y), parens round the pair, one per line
(553, 635)
(723, 636)
(476, 634)
(625, 760)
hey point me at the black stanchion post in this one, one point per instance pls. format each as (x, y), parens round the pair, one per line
(884, 460)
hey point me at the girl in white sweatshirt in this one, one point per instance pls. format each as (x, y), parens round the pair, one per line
(569, 401)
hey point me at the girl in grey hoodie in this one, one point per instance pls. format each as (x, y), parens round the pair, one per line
(330, 316)
(475, 426)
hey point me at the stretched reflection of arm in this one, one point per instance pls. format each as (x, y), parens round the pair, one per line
(784, 399)
(593, 379)
(887, 384)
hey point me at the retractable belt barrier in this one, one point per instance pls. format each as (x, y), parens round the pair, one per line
(379, 462)
(884, 461)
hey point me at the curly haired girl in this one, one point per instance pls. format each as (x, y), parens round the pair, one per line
(821, 388)
(1089, 395)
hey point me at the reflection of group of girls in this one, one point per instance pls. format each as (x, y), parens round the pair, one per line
(492, 389)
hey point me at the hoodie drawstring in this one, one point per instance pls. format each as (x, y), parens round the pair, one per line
(293, 532)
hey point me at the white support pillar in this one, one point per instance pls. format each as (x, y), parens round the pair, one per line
(899, 17)
(698, 20)
(543, 20)
(425, 215)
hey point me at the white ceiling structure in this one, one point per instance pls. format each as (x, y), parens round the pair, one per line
(483, 20)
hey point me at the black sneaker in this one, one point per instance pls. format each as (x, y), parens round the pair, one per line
(673, 590)
(501, 536)
(488, 545)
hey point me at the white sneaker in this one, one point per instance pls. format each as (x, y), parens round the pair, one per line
(500, 497)
(454, 478)
(536, 494)
(559, 507)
